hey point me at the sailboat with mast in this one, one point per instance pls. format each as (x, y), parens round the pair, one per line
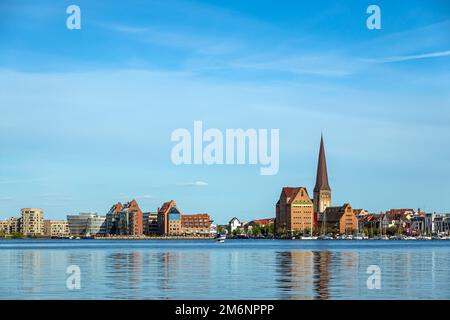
(323, 229)
(311, 235)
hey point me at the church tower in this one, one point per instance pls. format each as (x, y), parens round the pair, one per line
(322, 190)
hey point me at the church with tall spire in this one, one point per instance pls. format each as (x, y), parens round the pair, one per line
(322, 190)
(295, 210)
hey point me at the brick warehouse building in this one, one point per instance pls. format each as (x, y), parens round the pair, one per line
(342, 218)
(294, 210)
(125, 219)
(172, 222)
(163, 216)
(199, 224)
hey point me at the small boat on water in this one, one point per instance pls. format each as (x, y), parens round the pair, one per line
(308, 238)
(220, 238)
(325, 237)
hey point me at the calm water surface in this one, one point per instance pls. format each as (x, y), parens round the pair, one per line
(236, 269)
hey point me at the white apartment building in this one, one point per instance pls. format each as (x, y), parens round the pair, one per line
(32, 221)
(56, 228)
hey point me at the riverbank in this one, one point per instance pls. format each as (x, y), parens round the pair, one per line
(152, 238)
(149, 238)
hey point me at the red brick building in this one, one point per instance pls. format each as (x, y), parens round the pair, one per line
(294, 210)
(199, 224)
(163, 217)
(342, 218)
(124, 219)
(130, 219)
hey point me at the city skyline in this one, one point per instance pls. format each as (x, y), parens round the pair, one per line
(320, 201)
(87, 114)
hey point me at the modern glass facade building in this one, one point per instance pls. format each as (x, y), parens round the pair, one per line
(86, 224)
(150, 223)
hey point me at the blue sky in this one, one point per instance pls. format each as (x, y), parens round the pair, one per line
(86, 115)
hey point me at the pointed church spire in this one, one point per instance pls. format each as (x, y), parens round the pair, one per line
(322, 175)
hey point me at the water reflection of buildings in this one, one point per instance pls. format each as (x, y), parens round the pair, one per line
(168, 264)
(304, 274)
(322, 275)
(157, 274)
(296, 274)
(125, 272)
(32, 269)
(183, 274)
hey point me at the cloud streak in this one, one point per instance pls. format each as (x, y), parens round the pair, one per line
(413, 57)
(195, 184)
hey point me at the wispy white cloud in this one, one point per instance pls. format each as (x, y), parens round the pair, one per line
(234, 53)
(412, 57)
(172, 38)
(6, 198)
(195, 184)
(136, 197)
(145, 196)
(307, 64)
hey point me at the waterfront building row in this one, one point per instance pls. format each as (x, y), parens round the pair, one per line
(121, 220)
(31, 223)
(128, 219)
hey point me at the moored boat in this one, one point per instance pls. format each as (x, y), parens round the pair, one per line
(308, 238)
(220, 238)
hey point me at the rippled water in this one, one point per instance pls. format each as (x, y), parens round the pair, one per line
(236, 269)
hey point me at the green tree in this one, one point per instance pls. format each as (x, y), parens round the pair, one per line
(392, 230)
(256, 230)
(271, 229)
(17, 235)
(280, 232)
(220, 229)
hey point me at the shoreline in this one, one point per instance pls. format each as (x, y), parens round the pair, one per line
(148, 238)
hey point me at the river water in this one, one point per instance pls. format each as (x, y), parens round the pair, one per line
(236, 269)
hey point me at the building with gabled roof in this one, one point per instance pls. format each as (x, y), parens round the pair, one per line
(124, 219)
(112, 219)
(234, 224)
(131, 219)
(163, 216)
(294, 210)
(342, 218)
